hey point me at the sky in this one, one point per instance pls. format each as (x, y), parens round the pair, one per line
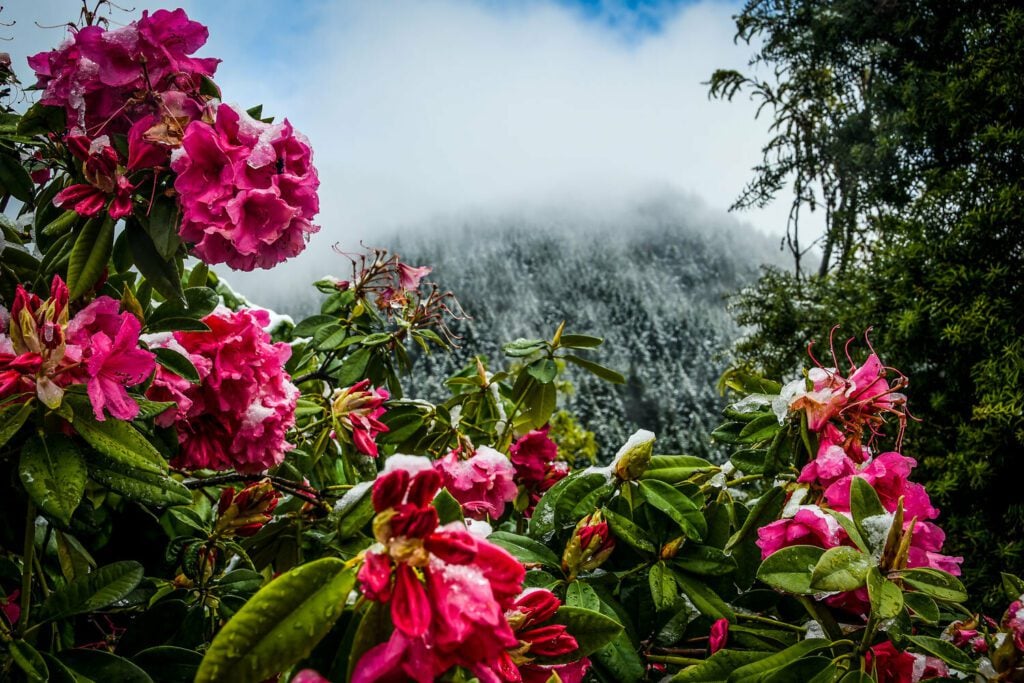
(423, 109)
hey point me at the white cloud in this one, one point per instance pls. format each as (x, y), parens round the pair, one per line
(424, 107)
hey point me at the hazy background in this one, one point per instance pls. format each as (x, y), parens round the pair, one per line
(431, 109)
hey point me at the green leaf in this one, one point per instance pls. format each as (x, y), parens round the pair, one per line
(766, 510)
(673, 469)
(40, 119)
(14, 179)
(935, 583)
(579, 594)
(579, 341)
(160, 273)
(520, 348)
(93, 591)
(356, 510)
(162, 226)
(864, 502)
(97, 665)
(309, 326)
(718, 666)
(29, 661)
(198, 302)
(12, 417)
(142, 486)
(703, 598)
(759, 429)
(704, 560)
(680, 508)
(840, 569)
(525, 549)
(886, 597)
(169, 664)
(591, 629)
(53, 472)
(448, 509)
(543, 370)
(116, 439)
(664, 592)
(374, 627)
(280, 625)
(1013, 586)
(176, 363)
(790, 569)
(90, 254)
(607, 374)
(627, 530)
(923, 607)
(944, 650)
(777, 660)
(555, 507)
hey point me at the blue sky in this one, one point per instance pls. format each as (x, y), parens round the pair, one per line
(427, 110)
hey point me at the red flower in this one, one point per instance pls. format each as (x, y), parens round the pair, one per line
(356, 411)
(719, 635)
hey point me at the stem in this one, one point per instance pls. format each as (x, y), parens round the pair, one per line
(26, 569)
(821, 615)
(768, 620)
(869, 632)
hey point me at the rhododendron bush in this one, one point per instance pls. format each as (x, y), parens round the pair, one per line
(197, 489)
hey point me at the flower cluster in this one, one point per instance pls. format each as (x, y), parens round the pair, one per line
(42, 351)
(482, 483)
(840, 410)
(889, 665)
(355, 411)
(248, 190)
(448, 590)
(103, 79)
(537, 468)
(238, 413)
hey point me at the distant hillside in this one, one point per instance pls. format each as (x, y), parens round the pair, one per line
(651, 282)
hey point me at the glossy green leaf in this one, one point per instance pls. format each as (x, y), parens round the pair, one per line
(12, 417)
(142, 486)
(591, 629)
(673, 469)
(923, 607)
(160, 273)
(356, 510)
(864, 502)
(944, 650)
(579, 341)
(29, 661)
(680, 508)
(53, 472)
(177, 363)
(555, 505)
(1013, 586)
(886, 597)
(703, 597)
(116, 439)
(718, 666)
(840, 569)
(280, 625)
(664, 592)
(198, 302)
(93, 591)
(777, 660)
(90, 254)
(607, 374)
(525, 549)
(14, 179)
(101, 666)
(935, 583)
(789, 569)
(627, 530)
(579, 594)
(169, 664)
(766, 510)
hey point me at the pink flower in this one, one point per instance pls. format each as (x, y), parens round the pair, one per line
(889, 475)
(238, 414)
(356, 411)
(103, 172)
(1013, 622)
(100, 77)
(531, 455)
(809, 526)
(719, 635)
(409, 276)
(309, 676)
(248, 190)
(832, 462)
(448, 590)
(10, 608)
(109, 343)
(482, 483)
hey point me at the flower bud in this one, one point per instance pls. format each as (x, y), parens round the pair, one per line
(355, 411)
(633, 458)
(245, 513)
(671, 549)
(589, 547)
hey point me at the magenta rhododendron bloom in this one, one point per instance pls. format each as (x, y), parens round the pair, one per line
(101, 167)
(238, 414)
(809, 526)
(356, 411)
(481, 483)
(110, 353)
(531, 455)
(719, 635)
(889, 665)
(448, 589)
(309, 676)
(889, 475)
(1013, 622)
(101, 77)
(248, 190)
(832, 462)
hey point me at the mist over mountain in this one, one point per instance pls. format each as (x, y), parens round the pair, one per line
(650, 277)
